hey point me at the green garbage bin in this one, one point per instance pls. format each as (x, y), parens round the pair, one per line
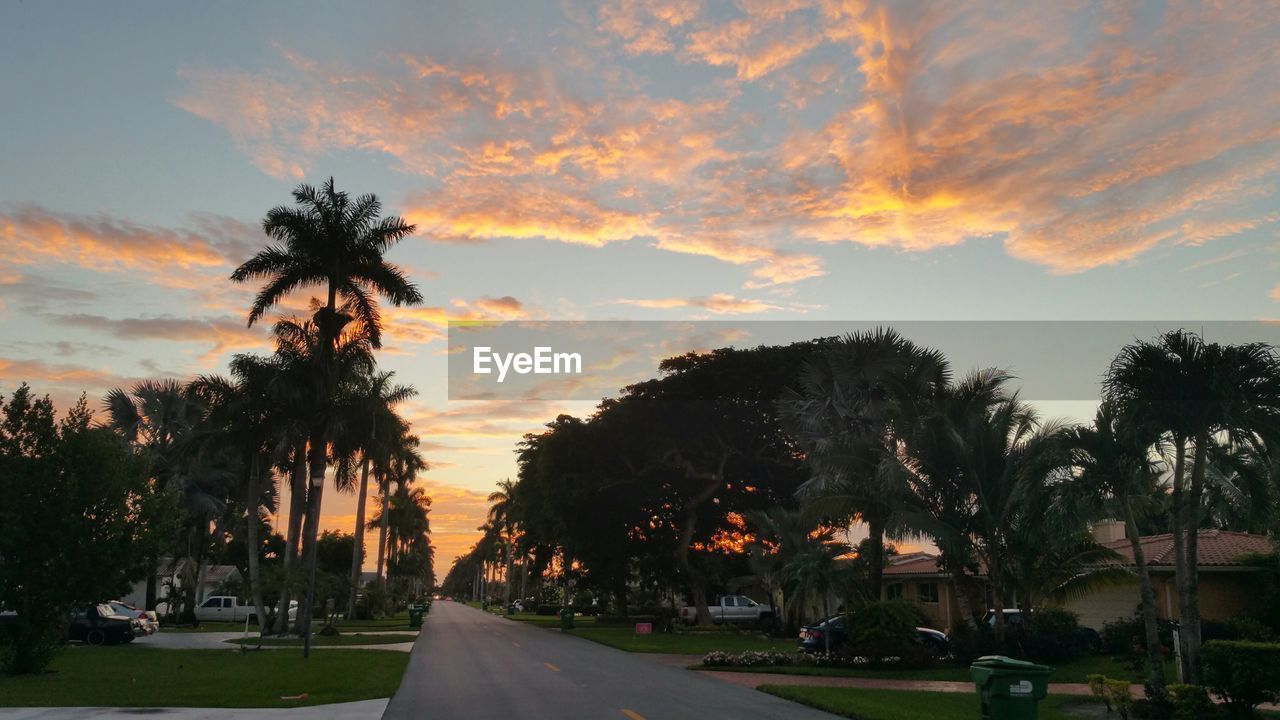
(1010, 689)
(415, 616)
(566, 619)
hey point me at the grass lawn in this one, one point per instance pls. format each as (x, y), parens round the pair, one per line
(129, 676)
(331, 640)
(1072, 672)
(906, 705)
(399, 621)
(207, 627)
(625, 638)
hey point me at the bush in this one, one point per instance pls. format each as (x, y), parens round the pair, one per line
(770, 658)
(885, 632)
(1243, 674)
(1190, 702)
(1053, 635)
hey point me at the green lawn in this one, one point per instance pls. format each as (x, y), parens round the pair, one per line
(1076, 671)
(865, 704)
(207, 627)
(330, 640)
(399, 621)
(130, 676)
(625, 638)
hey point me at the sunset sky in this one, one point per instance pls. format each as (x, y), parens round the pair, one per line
(638, 159)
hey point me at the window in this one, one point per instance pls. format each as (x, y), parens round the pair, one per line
(227, 603)
(730, 601)
(894, 591)
(928, 592)
(212, 603)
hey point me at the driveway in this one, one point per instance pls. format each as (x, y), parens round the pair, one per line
(470, 664)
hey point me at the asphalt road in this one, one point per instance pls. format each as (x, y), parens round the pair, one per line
(470, 665)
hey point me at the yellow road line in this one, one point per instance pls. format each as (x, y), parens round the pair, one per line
(632, 714)
(551, 667)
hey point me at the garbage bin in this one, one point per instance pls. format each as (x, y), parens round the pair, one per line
(1010, 689)
(415, 616)
(566, 619)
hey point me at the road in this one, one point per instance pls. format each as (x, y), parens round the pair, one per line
(468, 664)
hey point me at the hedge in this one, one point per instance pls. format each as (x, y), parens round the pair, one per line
(1243, 674)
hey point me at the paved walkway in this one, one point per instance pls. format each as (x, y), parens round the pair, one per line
(218, 641)
(362, 710)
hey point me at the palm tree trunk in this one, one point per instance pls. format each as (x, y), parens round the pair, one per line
(960, 588)
(253, 495)
(1179, 513)
(524, 577)
(310, 536)
(511, 564)
(384, 523)
(1148, 595)
(357, 551)
(297, 503)
(875, 563)
(1189, 626)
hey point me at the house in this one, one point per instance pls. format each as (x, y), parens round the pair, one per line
(1225, 589)
(171, 573)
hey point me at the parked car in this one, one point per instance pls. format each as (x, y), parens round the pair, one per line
(812, 637)
(145, 621)
(732, 609)
(1086, 638)
(225, 608)
(100, 625)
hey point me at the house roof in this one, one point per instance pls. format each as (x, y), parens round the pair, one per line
(1215, 548)
(916, 563)
(215, 574)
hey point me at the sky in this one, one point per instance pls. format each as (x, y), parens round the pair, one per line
(633, 159)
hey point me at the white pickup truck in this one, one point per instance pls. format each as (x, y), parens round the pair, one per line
(224, 608)
(731, 608)
(228, 608)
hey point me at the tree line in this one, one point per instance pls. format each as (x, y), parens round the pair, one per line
(741, 466)
(202, 461)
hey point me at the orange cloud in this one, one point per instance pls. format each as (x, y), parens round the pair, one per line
(34, 235)
(718, 303)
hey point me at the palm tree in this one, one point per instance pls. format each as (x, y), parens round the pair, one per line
(500, 516)
(850, 415)
(162, 417)
(301, 349)
(377, 429)
(401, 466)
(813, 572)
(334, 241)
(1192, 395)
(1112, 463)
(780, 534)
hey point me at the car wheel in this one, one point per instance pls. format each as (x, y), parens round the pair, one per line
(95, 637)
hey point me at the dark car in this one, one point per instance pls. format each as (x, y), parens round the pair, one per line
(99, 625)
(813, 637)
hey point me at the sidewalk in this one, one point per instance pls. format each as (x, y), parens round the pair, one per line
(362, 710)
(754, 680)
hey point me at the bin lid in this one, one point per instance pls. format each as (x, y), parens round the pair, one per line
(1001, 662)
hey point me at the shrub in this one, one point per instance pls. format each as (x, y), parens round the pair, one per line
(1118, 697)
(880, 631)
(1190, 702)
(1243, 674)
(1053, 635)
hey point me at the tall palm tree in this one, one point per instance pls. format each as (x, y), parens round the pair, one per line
(848, 414)
(378, 428)
(779, 535)
(332, 240)
(500, 516)
(1192, 395)
(1113, 465)
(402, 465)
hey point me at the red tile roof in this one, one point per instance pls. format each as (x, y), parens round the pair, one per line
(1215, 548)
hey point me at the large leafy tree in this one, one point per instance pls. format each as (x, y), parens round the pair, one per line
(1192, 395)
(74, 515)
(331, 240)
